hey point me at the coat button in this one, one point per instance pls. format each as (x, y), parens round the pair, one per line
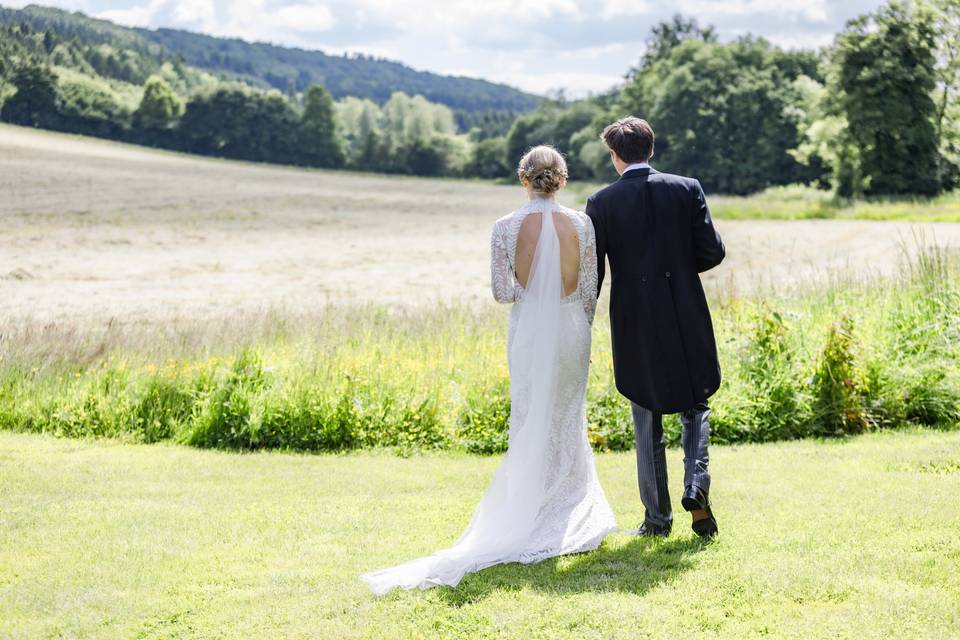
(668, 274)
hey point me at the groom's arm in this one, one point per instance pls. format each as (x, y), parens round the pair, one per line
(708, 248)
(601, 233)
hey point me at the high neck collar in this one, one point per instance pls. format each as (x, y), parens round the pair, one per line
(534, 199)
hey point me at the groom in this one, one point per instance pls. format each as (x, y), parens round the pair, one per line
(656, 230)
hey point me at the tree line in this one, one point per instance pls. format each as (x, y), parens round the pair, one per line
(875, 113)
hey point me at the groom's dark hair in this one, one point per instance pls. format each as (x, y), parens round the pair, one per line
(631, 138)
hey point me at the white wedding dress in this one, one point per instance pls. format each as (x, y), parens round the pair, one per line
(545, 498)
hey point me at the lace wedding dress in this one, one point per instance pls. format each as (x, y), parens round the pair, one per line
(545, 498)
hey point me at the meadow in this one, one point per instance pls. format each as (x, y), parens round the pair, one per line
(94, 230)
(152, 300)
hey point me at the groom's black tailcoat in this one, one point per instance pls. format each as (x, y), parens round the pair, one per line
(656, 230)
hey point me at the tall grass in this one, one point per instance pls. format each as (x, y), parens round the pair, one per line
(796, 202)
(842, 358)
(802, 202)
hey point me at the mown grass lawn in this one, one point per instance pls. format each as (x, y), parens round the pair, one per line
(856, 538)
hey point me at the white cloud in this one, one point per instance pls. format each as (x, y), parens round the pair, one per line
(69, 5)
(194, 11)
(135, 16)
(261, 20)
(801, 40)
(462, 14)
(614, 49)
(614, 8)
(183, 12)
(576, 84)
(811, 10)
(303, 17)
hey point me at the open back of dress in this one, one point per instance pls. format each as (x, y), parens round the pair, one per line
(527, 238)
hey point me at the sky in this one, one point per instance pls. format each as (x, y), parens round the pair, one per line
(536, 45)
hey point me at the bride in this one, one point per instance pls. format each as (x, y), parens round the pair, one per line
(545, 498)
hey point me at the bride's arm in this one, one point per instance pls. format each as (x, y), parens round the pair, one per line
(601, 240)
(502, 281)
(589, 271)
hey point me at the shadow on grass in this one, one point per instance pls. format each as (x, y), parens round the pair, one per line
(635, 567)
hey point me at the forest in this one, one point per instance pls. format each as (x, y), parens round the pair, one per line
(873, 114)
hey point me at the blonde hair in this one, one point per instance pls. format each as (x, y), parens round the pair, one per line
(544, 167)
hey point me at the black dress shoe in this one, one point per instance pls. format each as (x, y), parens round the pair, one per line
(695, 499)
(650, 530)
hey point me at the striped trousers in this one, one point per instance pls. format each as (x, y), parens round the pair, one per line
(652, 462)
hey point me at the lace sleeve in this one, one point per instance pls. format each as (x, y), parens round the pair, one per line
(502, 280)
(588, 270)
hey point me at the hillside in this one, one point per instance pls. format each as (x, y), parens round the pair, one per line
(361, 76)
(262, 64)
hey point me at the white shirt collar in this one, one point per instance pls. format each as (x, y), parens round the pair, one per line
(637, 165)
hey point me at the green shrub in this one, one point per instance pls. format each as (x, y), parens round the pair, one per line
(839, 390)
(224, 418)
(161, 409)
(483, 425)
(410, 424)
(303, 419)
(609, 419)
(930, 398)
(766, 400)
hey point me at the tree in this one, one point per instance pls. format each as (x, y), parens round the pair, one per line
(418, 137)
(722, 113)
(947, 17)
(825, 145)
(427, 157)
(36, 102)
(49, 40)
(159, 109)
(411, 119)
(590, 155)
(236, 122)
(320, 140)
(489, 160)
(822, 133)
(484, 124)
(523, 131)
(90, 105)
(556, 124)
(667, 36)
(359, 119)
(886, 77)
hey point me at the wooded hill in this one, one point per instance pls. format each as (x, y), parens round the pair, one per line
(132, 55)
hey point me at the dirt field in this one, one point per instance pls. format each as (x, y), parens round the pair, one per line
(92, 230)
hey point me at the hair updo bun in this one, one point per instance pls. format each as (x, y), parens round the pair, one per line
(544, 168)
